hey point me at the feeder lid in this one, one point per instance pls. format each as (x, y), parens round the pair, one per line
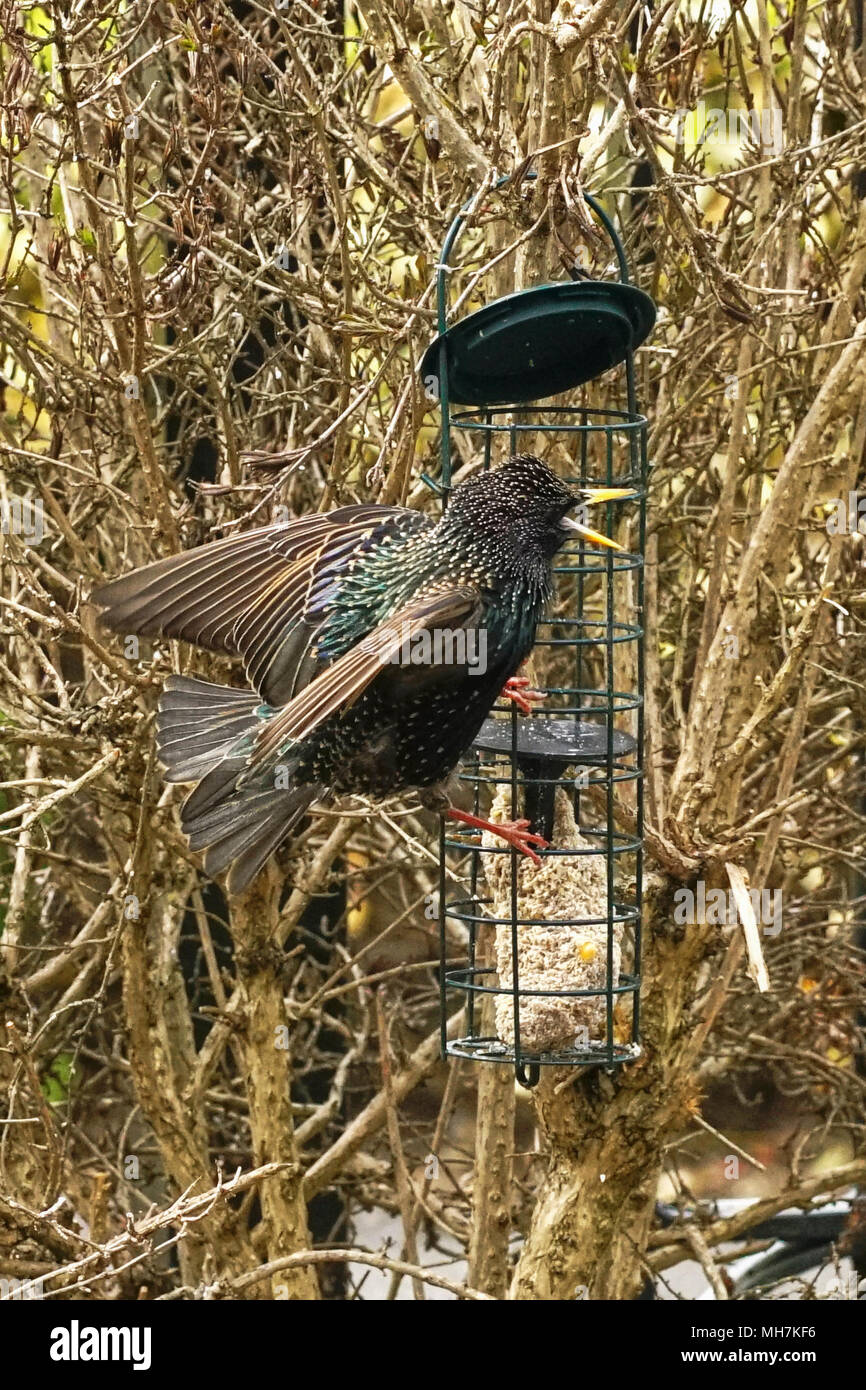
(553, 740)
(541, 341)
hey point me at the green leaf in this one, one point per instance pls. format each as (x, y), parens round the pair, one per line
(58, 1080)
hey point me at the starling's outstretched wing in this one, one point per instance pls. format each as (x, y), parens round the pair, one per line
(249, 595)
(445, 608)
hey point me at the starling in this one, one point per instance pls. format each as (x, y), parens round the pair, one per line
(375, 642)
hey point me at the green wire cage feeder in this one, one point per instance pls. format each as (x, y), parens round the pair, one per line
(551, 971)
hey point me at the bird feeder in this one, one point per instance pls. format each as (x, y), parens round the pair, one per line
(551, 975)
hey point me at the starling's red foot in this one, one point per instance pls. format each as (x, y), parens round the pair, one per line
(513, 832)
(516, 688)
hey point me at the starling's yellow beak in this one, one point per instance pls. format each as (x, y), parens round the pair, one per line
(607, 494)
(589, 497)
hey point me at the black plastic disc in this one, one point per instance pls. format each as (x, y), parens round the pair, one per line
(541, 341)
(553, 740)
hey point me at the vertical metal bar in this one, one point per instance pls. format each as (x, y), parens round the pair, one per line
(474, 906)
(611, 686)
(580, 630)
(515, 971)
(445, 436)
(476, 806)
(471, 1025)
(443, 993)
(638, 445)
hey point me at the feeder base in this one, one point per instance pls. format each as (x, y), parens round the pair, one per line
(489, 1049)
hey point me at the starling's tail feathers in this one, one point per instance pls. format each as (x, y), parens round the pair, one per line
(199, 725)
(244, 831)
(205, 734)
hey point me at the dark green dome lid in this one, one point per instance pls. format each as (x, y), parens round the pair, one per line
(541, 341)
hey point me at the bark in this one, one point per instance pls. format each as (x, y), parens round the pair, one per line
(265, 1033)
(494, 1145)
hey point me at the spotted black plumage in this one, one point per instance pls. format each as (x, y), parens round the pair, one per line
(326, 613)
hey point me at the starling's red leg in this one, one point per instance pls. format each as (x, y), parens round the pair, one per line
(513, 832)
(516, 688)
